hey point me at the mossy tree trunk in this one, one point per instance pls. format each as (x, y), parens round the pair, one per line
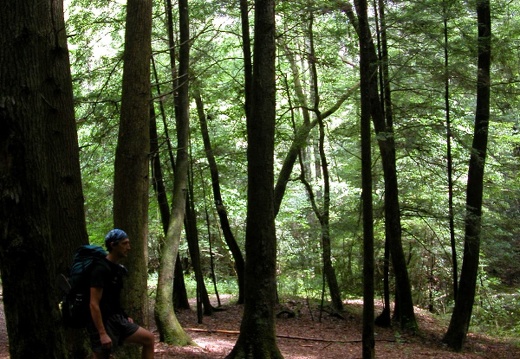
(169, 328)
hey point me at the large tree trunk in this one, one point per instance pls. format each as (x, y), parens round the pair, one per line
(40, 185)
(219, 203)
(460, 319)
(67, 212)
(131, 180)
(367, 71)
(257, 337)
(169, 327)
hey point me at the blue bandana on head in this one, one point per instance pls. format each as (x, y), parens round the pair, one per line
(115, 235)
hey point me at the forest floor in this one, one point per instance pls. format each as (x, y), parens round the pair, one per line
(305, 336)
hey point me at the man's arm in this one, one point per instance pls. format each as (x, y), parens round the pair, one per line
(97, 318)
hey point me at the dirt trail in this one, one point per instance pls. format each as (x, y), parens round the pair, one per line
(306, 337)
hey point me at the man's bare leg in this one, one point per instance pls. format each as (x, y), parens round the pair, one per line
(144, 338)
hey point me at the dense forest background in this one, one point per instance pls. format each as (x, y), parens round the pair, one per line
(427, 66)
(418, 70)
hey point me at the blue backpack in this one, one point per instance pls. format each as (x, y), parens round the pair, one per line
(75, 306)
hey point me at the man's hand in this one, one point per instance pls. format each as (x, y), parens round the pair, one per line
(106, 342)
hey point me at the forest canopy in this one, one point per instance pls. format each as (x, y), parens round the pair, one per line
(418, 70)
(295, 135)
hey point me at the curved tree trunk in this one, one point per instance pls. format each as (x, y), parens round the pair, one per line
(169, 327)
(180, 296)
(299, 143)
(460, 319)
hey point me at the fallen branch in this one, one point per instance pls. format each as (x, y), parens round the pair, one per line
(236, 332)
(213, 330)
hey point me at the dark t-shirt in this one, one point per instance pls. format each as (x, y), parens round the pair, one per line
(109, 276)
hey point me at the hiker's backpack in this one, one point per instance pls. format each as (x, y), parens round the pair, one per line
(75, 307)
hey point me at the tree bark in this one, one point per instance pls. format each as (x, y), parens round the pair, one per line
(168, 325)
(257, 337)
(460, 319)
(180, 296)
(41, 201)
(67, 202)
(131, 177)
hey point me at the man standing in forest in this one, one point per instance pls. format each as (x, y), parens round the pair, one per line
(110, 326)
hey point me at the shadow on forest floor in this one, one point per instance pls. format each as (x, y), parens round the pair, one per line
(304, 336)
